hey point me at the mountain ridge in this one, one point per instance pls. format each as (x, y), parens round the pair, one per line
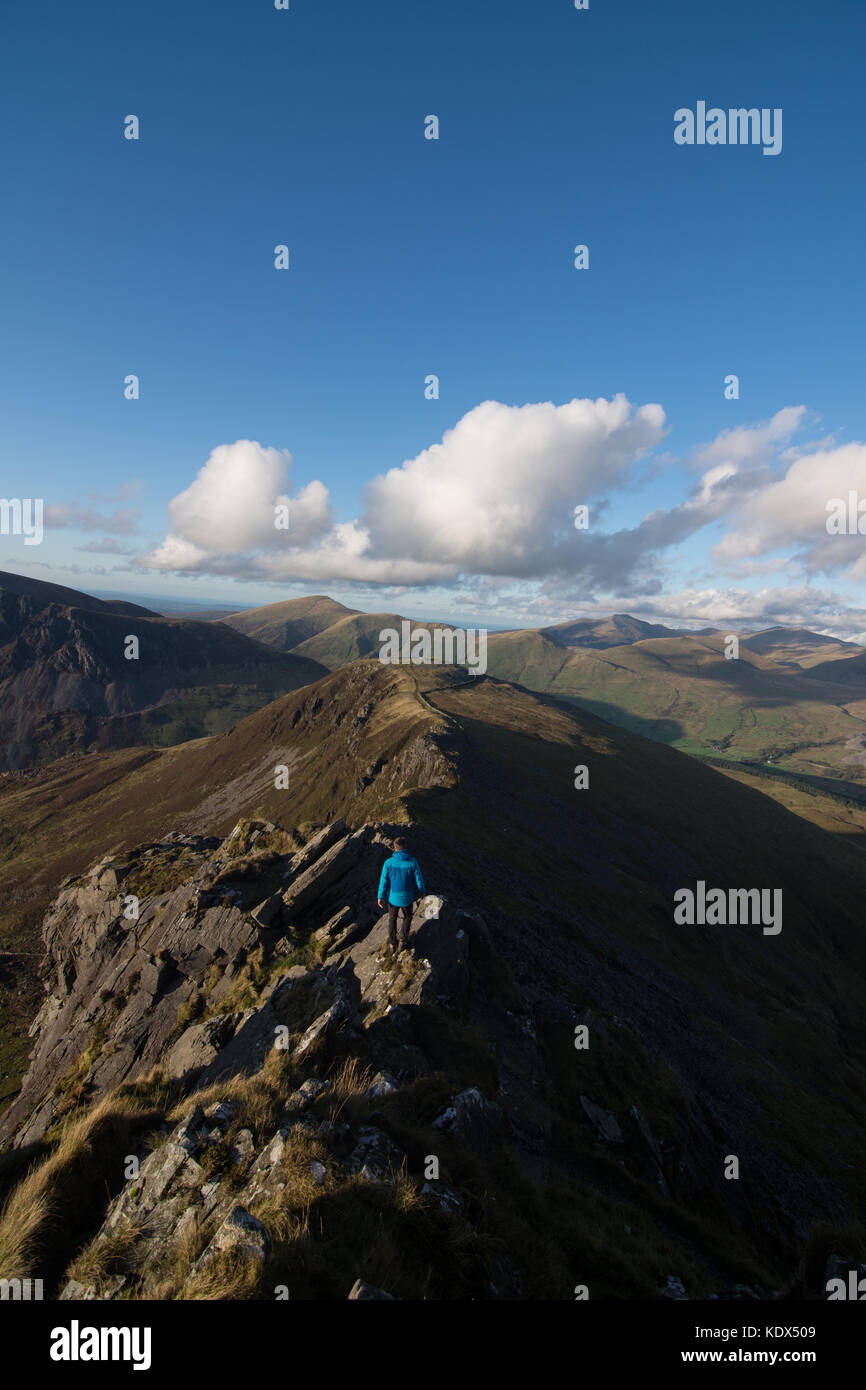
(553, 912)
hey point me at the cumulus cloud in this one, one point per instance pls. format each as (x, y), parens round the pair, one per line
(496, 496)
(790, 512)
(486, 513)
(735, 465)
(230, 509)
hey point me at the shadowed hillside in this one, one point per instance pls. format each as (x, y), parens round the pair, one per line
(796, 646)
(69, 679)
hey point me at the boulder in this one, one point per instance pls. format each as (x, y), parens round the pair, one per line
(316, 846)
(243, 1148)
(156, 973)
(443, 1195)
(199, 1045)
(80, 1292)
(328, 869)
(266, 913)
(435, 970)
(222, 1111)
(472, 1118)
(189, 1132)
(375, 1157)
(347, 996)
(319, 1028)
(383, 1084)
(303, 1097)
(334, 926)
(242, 1234)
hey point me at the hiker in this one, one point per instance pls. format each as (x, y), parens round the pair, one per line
(401, 883)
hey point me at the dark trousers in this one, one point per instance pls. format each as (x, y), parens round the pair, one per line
(393, 909)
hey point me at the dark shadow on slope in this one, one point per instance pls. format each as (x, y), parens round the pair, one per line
(660, 730)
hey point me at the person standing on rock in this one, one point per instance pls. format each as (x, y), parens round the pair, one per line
(401, 883)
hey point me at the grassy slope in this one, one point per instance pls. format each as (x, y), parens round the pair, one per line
(841, 809)
(682, 691)
(354, 638)
(348, 640)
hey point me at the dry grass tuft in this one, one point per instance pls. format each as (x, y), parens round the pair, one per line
(45, 1212)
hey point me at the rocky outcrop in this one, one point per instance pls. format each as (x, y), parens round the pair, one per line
(197, 979)
(333, 862)
(186, 984)
(126, 974)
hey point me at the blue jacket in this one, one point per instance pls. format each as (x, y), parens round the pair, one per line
(401, 880)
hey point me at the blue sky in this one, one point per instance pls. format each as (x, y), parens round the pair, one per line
(453, 257)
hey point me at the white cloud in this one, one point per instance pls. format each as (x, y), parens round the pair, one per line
(495, 496)
(486, 515)
(229, 508)
(745, 446)
(799, 605)
(790, 512)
